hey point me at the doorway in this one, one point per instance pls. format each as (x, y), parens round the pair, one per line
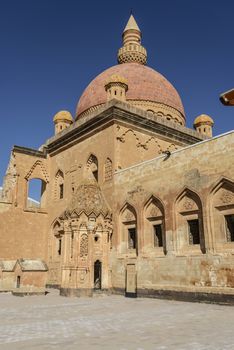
(97, 275)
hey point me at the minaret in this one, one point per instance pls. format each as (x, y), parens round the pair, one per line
(132, 50)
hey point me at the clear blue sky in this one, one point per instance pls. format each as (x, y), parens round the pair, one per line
(51, 49)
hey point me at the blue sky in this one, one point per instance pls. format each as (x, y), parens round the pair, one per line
(51, 49)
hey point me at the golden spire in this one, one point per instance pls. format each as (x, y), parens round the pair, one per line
(132, 24)
(132, 50)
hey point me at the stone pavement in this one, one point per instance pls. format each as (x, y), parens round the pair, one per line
(113, 323)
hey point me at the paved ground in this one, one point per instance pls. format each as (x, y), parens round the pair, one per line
(113, 323)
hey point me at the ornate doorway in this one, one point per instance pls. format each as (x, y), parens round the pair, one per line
(97, 275)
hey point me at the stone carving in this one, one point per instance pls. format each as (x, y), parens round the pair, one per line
(84, 246)
(129, 216)
(82, 275)
(89, 199)
(227, 197)
(154, 212)
(122, 138)
(172, 147)
(152, 139)
(189, 204)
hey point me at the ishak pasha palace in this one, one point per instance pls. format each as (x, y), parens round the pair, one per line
(132, 201)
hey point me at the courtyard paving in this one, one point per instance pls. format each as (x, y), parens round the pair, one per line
(113, 323)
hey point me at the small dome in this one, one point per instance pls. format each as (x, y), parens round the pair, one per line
(63, 116)
(203, 119)
(116, 79)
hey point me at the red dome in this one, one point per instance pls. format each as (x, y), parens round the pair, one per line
(144, 83)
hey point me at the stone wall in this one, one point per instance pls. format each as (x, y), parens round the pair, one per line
(196, 182)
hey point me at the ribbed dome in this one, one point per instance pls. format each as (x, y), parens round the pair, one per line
(144, 84)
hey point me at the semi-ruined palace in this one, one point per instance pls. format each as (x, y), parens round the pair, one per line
(132, 201)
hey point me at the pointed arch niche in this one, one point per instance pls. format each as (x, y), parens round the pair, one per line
(154, 226)
(189, 223)
(223, 214)
(108, 172)
(59, 185)
(57, 241)
(92, 166)
(128, 234)
(55, 247)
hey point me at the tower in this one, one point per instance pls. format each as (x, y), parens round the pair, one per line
(62, 120)
(116, 87)
(203, 124)
(132, 50)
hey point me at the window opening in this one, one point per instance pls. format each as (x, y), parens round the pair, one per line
(132, 238)
(95, 174)
(60, 247)
(36, 193)
(194, 235)
(229, 227)
(158, 238)
(61, 191)
(18, 282)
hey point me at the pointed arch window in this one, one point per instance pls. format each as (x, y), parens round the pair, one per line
(223, 212)
(189, 221)
(59, 185)
(154, 226)
(92, 166)
(108, 169)
(129, 237)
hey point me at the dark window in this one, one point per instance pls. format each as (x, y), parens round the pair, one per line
(158, 238)
(60, 247)
(229, 227)
(193, 228)
(132, 238)
(95, 174)
(61, 191)
(18, 282)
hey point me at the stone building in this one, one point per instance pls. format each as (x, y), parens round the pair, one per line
(132, 201)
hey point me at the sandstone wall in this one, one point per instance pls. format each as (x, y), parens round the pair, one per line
(203, 173)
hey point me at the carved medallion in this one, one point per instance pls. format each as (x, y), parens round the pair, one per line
(227, 197)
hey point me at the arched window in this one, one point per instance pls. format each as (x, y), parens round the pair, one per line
(108, 169)
(92, 166)
(59, 185)
(223, 213)
(189, 222)
(36, 193)
(57, 241)
(154, 226)
(129, 229)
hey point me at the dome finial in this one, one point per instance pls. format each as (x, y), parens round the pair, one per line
(132, 24)
(132, 50)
